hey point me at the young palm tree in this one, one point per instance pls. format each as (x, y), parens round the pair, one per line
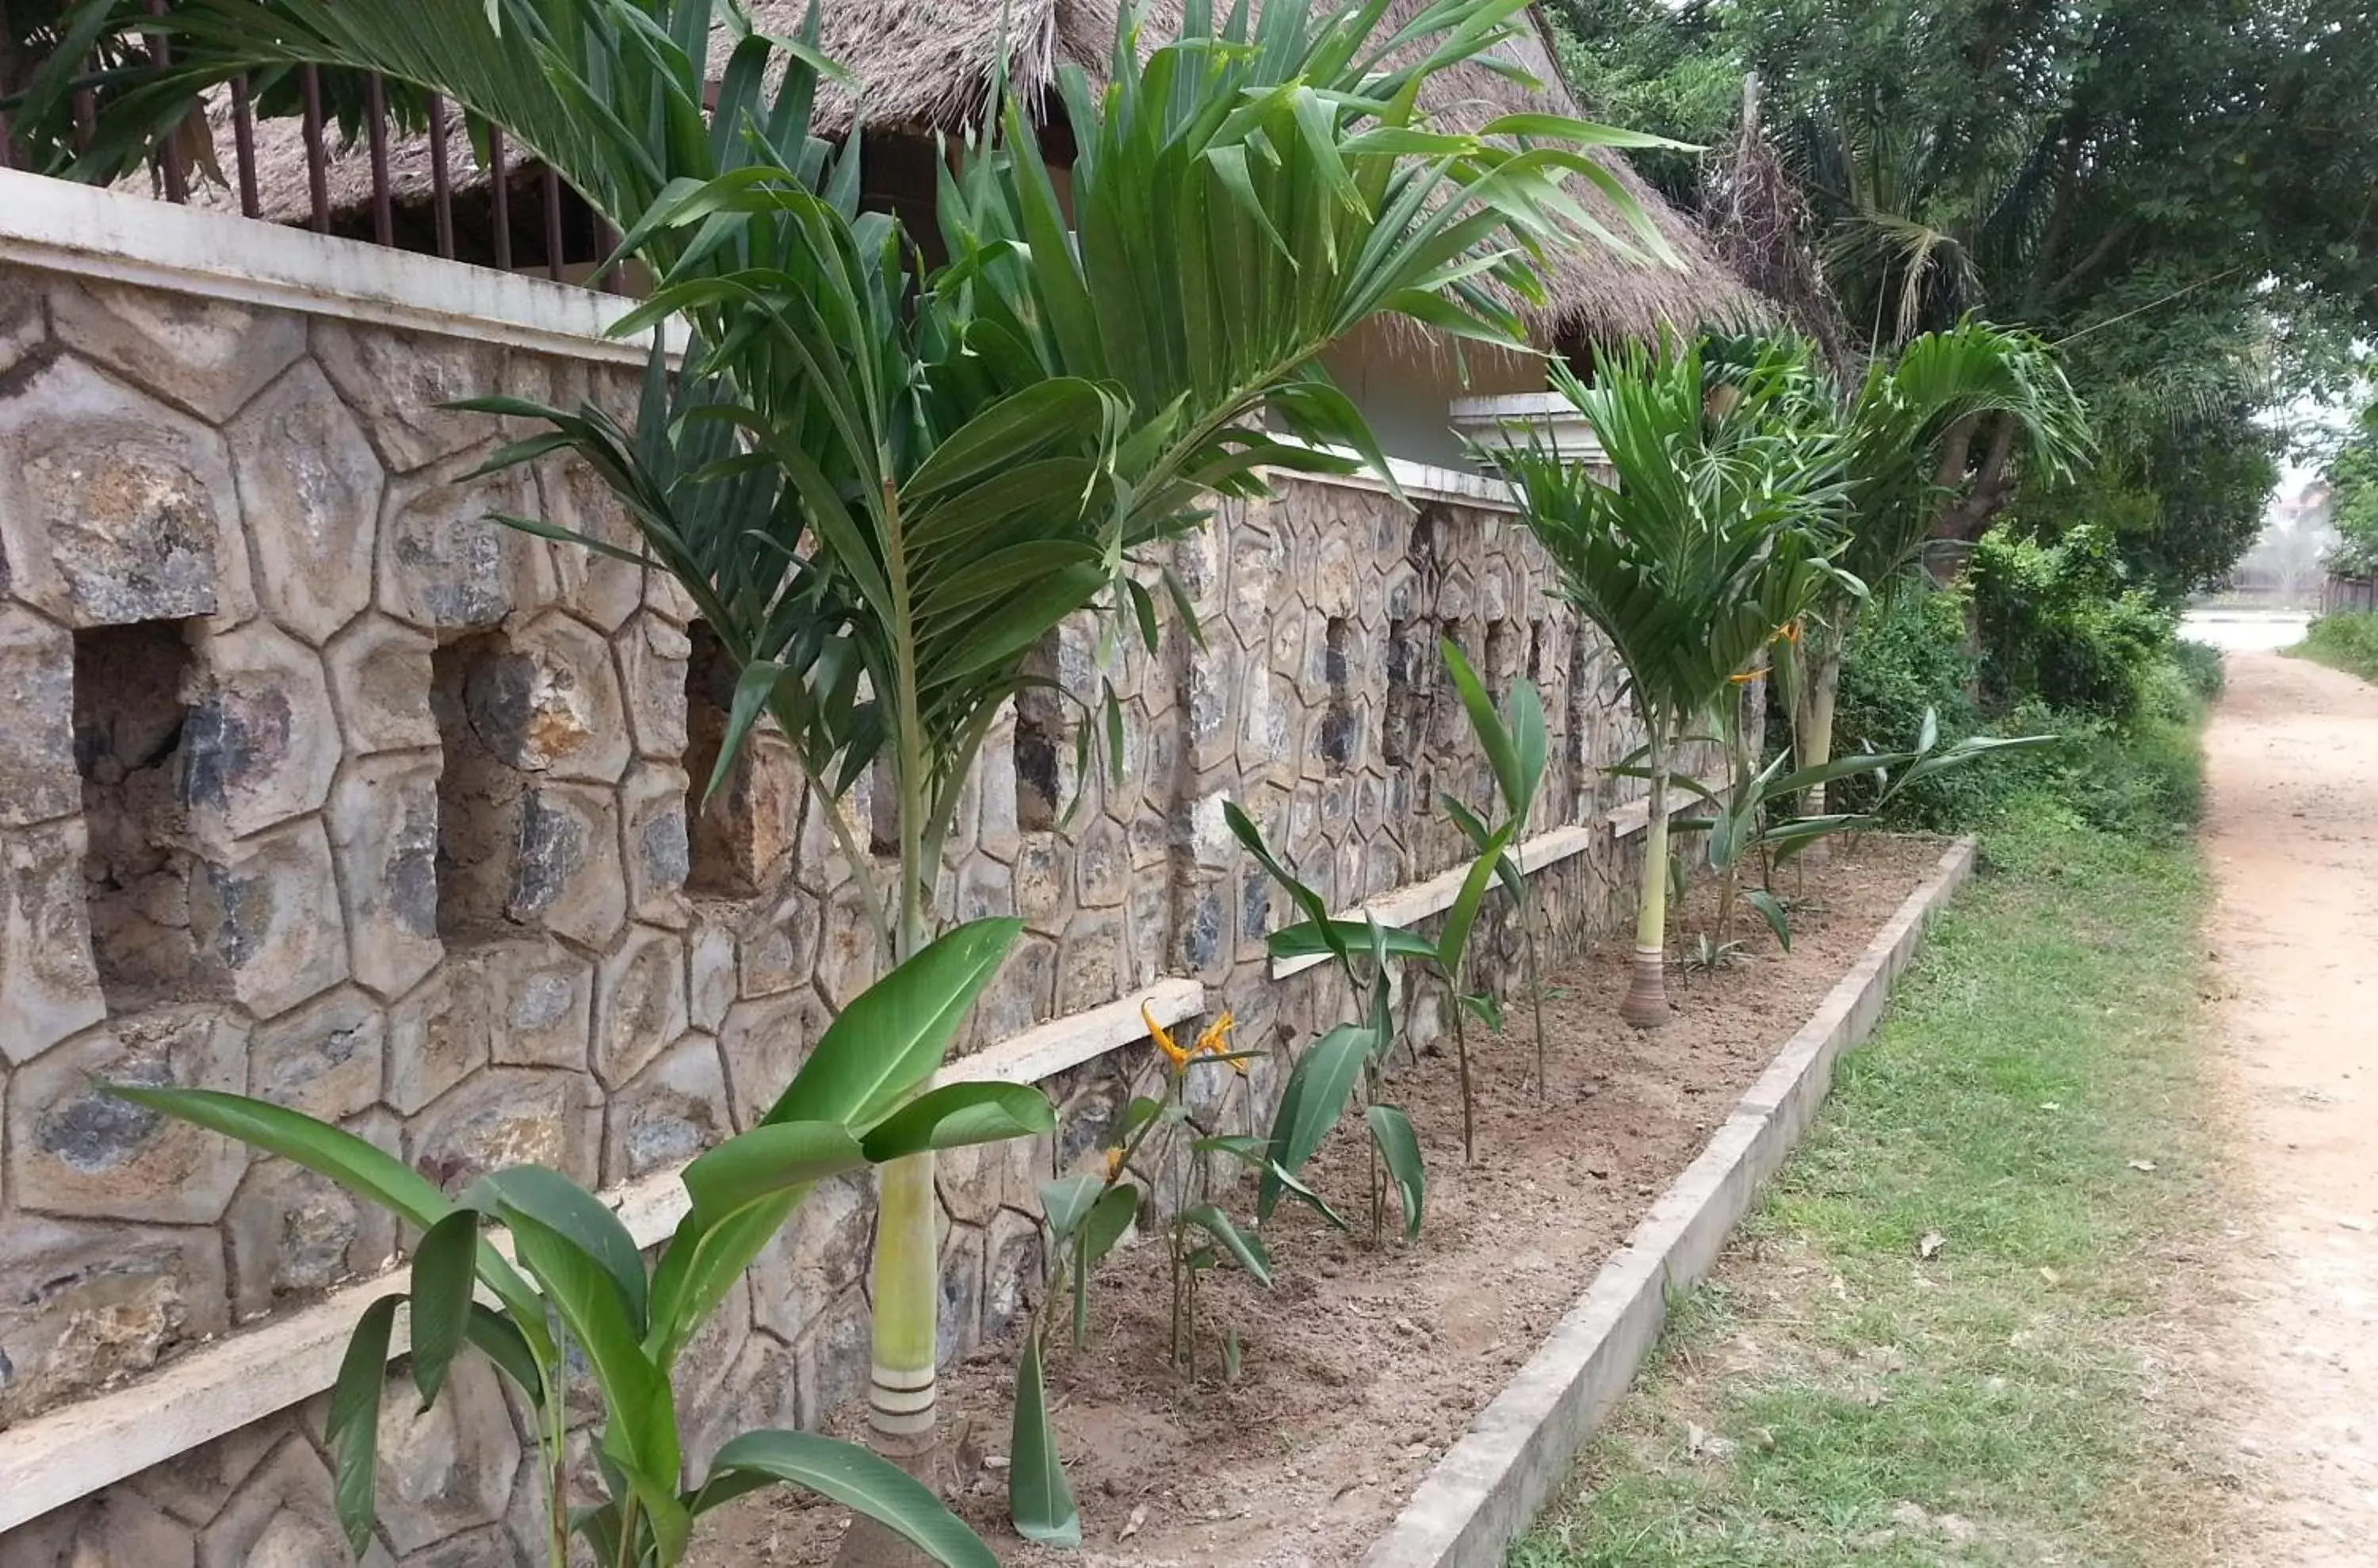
(1718, 522)
(1905, 448)
(884, 484)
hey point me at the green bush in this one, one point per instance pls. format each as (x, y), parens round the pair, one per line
(2200, 665)
(2058, 624)
(2347, 642)
(1907, 654)
(2146, 779)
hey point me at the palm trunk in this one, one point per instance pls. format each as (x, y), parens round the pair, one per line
(1812, 726)
(1646, 1006)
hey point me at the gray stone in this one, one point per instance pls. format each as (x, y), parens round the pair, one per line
(781, 953)
(1024, 991)
(541, 998)
(380, 676)
(550, 704)
(262, 742)
(601, 590)
(668, 1113)
(266, 913)
(436, 1037)
(1010, 1280)
(658, 857)
(640, 1004)
(1041, 883)
(282, 1517)
(117, 1526)
(821, 1254)
(832, 1368)
(705, 1394)
(37, 761)
(323, 1059)
(24, 318)
(759, 1393)
(81, 1304)
(507, 1117)
(309, 489)
(293, 1233)
(206, 355)
(846, 961)
(400, 383)
(49, 984)
(112, 507)
(764, 1041)
(710, 977)
(985, 888)
(449, 1468)
(75, 1151)
(653, 659)
(444, 565)
(383, 824)
(1090, 965)
(193, 1485)
(959, 1324)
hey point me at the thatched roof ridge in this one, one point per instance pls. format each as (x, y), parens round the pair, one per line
(924, 64)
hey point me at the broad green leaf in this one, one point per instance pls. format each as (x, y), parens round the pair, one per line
(1399, 1151)
(1771, 912)
(1502, 755)
(1308, 939)
(849, 1475)
(354, 1423)
(1110, 1217)
(773, 1159)
(442, 1279)
(959, 1114)
(1067, 1201)
(499, 1340)
(1244, 1247)
(571, 1212)
(893, 1033)
(1453, 940)
(1310, 1104)
(1040, 1499)
(354, 1164)
(640, 1433)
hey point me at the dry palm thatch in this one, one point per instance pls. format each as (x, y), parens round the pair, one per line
(928, 66)
(1760, 225)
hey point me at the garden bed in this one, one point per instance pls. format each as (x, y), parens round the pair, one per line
(1363, 1366)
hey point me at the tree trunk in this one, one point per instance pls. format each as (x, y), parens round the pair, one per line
(1812, 721)
(1646, 1006)
(901, 1384)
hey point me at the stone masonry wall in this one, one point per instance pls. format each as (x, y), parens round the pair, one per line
(314, 784)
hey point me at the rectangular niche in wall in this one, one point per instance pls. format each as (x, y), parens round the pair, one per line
(732, 846)
(480, 795)
(1339, 726)
(130, 707)
(1039, 737)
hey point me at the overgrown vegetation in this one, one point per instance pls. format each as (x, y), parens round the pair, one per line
(2347, 642)
(1928, 1344)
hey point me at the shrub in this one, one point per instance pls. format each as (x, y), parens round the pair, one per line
(2347, 642)
(1907, 654)
(2057, 623)
(2200, 665)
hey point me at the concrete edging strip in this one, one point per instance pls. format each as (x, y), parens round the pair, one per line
(1488, 1487)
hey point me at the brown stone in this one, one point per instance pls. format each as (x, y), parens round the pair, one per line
(380, 674)
(37, 762)
(668, 1113)
(541, 1002)
(262, 742)
(49, 982)
(82, 1303)
(436, 1037)
(309, 489)
(383, 824)
(265, 914)
(763, 1043)
(323, 1059)
(639, 1004)
(507, 1117)
(208, 356)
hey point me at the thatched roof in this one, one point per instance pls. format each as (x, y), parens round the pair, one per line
(926, 65)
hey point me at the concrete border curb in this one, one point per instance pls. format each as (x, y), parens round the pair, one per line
(1489, 1486)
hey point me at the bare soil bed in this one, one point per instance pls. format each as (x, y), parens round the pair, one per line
(1362, 1366)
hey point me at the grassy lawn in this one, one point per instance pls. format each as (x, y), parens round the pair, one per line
(2029, 1115)
(2342, 642)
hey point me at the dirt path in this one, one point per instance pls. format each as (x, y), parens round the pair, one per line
(2292, 832)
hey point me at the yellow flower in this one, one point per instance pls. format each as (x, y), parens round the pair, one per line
(1115, 1162)
(1155, 1032)
(1789, 632)
(1747, 677)
(1217, 1040)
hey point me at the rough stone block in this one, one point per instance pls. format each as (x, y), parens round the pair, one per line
(658, 855)
(668, 1113)
(652, 659)
(815, 1260)
(383, 824)
(266, 913)
(541, 1002)
(193, 1485)
(1042, 885)
(1023, 991)
(449, 1468)
(564, 876)
(379, 675)
(640, 1004)
(600, 589)
(309, 489)
(765, 1043)
(323, 1059)
(710, 976)
(959, 1322)
(1102, 864)
(117, 1526)
(400, 384)
(436, 1037)
(1090, 964)
(208, 356)
(292, 1233)
(113, 508)
(443, 566)
(37, 761)
(551, 704)
(262, 741)
(74, 1150)
(760, 1391)
(24, 318)
(49, 983)
(783, 952)
(1011, 1280)
(507, 1117)
(81, 1304)
(846, 957)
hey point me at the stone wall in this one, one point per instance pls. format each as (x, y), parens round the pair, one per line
(314, 784)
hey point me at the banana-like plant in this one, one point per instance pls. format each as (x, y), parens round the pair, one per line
(573, 1289)
(1674, 564)
(883, 483)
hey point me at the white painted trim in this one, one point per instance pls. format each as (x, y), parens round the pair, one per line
(1419, 481)
(73, 1450)
(1415, 901)
(90, 232)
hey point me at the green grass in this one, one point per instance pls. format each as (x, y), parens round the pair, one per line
(1860, 1406)
(2342, 642)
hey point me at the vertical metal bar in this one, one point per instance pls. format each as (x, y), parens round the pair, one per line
(606, 239)
(441, 184)
(499, 198)
(86, 110)
(318, 159)
(243, 143)
(375, 127)
(552, 224)
(177, 174)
